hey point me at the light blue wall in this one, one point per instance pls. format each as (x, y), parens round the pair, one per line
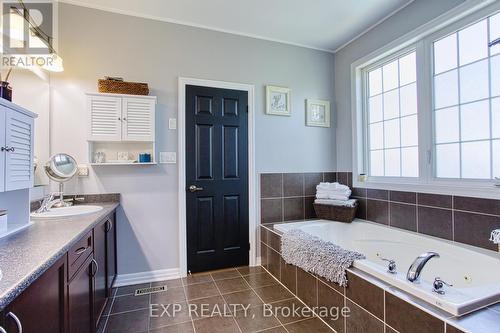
(95, 43)
(414, 15)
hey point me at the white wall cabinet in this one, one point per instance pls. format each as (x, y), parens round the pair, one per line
(120, 124)
(16, 147)
(114, 117)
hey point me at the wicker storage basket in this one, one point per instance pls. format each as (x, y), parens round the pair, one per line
(121, 87)
(336, 213)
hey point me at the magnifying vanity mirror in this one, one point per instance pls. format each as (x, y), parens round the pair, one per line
(61, 168)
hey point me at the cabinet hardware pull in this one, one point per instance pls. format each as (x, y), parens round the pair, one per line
(109, 226)
(94, 262)
(12, 149)
(4, 148)
(2, 330)
(119, 118)
(18, 322)
(7, 149)
(81, 250)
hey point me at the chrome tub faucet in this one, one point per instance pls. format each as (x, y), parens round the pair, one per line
(418, 264)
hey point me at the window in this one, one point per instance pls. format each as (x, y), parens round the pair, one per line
(392, 118)
(467, 102)
(438, 121)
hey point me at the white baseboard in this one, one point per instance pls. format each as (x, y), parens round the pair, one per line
(145, 277)
(258, 261)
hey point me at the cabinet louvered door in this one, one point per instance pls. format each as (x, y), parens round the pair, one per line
(138, 119)
(3, 153)
(105, 118)
(19, 135)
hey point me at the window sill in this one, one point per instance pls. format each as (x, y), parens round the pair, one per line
(452, 187)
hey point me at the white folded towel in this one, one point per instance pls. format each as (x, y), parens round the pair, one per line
(341, 203)
(332, 197)
(331, 186)
(343, 193)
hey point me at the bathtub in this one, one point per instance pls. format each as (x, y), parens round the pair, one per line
(474, 273)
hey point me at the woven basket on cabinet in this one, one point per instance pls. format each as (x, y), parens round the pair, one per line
(336, 213)
(121, 87)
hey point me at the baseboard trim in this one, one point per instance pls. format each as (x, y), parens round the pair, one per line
(145, 277)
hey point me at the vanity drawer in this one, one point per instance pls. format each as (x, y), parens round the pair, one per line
(79, 253)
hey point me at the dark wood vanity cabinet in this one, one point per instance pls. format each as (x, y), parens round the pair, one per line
(111, 264)
(71, 295)
(41, 307)
(100, 284)
(81, 298)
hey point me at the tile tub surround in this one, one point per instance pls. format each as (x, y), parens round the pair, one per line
(290, 196)
(461, 219)
(26, 255)
(374, 305)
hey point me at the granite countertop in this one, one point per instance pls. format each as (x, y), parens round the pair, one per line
(26, 255)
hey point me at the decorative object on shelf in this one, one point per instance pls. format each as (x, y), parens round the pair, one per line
(5, 88)
(317, 113)
(123, 156)
(278, 101)
(116, 85)
(99, 157)
(144, 158)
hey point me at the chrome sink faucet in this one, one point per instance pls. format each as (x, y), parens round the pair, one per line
(49, 201)
(416, 267)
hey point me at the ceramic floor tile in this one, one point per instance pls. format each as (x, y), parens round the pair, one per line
(225, 274)
(232, 285)
(129, 303)
(201, 290)
(240, 299)
(273, 293)
(130, 322)
(255, 319)
(216, 325)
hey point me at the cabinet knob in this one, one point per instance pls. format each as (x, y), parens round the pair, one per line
(17, 321)
(8, 149)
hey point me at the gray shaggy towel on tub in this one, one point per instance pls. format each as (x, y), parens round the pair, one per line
(317, 256)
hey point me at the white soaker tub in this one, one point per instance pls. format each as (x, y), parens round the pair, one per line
(474, 273)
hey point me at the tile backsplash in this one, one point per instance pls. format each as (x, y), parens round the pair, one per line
(290, 196)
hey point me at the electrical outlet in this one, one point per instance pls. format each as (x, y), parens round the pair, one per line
(83, 171)
(172, 123)
(167, 157)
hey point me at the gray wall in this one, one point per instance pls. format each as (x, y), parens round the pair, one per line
(414, 15)
(96, 43)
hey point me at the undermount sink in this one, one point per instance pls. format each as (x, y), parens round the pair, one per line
(66, 211)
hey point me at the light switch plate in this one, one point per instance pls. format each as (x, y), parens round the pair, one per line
(168, 157)
(83, 171)
(172, 123)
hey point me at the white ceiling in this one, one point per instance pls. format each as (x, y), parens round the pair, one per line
(318, 24)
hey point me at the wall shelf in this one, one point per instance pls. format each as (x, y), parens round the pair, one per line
(114, 164)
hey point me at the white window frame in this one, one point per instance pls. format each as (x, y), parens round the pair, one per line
(421, 40)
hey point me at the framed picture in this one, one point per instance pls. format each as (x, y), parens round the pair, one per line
(317, 113)
(278, 101)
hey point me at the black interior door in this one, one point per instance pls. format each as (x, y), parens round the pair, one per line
(216, 178)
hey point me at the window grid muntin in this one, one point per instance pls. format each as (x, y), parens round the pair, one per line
(368, 70)
(490, 98)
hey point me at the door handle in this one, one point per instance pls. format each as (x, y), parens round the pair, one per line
(194, 188)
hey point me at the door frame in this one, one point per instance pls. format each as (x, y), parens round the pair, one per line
(252, 176)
